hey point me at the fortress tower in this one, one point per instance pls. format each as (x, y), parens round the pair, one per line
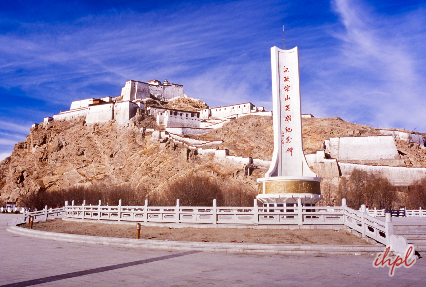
(289, 176)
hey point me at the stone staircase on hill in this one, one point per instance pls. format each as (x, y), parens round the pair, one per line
(414, 230)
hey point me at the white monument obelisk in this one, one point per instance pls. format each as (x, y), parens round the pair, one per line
(289, 176)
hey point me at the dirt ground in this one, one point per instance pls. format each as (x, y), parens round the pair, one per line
(238, 235)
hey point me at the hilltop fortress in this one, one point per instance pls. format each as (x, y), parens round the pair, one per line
(133, 101)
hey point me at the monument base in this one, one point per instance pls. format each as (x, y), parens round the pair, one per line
(287, 190)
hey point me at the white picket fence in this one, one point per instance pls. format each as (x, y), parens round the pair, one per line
(300, 215)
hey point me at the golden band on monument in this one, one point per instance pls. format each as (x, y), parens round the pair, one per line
(290, 186)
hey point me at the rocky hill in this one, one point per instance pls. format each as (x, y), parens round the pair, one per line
(69, 153)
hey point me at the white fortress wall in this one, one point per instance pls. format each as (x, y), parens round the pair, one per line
(124, 111)
(134, 90)
(363, 148)
(172, 91)
(193, 142)
(67, 115)
(81, 103)
(100, 113)
(153, 111)
(222, 112)
(205, 114)
(175, 118)
(156, 91)
(395, 175)
(238, 110)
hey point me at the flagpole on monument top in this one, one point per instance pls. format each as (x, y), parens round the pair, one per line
(283, 38)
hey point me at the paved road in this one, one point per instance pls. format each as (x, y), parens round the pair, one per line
(30, 261)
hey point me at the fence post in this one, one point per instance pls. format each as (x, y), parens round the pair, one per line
(24, 214)
(363, 220)
(256, 213)
(214, 211)
(82, 207)
(420, 212)
(45, 213)
(66, 208)
(177, 211)
(145, 211)
(388, 228)
(99, 209)
(299, 211)
(344, 210)
(119, 210)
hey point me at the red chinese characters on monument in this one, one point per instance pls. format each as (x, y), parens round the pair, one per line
(286, 138)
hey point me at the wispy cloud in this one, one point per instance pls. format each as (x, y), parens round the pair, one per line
(378, 69)
(67, 60)
(17, 128)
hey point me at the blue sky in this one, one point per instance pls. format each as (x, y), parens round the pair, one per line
(360, 60)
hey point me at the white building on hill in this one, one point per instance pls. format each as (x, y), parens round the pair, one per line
(231, 111)
(135, 90)
(171, 118)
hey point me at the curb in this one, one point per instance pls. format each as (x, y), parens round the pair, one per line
(203, 246)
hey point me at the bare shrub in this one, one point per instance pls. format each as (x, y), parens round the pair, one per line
(109, 195)
(416, 195)
(193, 190)
(369, 189)
(238, 195)
(200, 190)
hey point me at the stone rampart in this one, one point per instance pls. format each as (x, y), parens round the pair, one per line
(136, 90)
(100, 113)
(377, 150)
(224, 112)
(124, 111)
(81, 104)
(67, 115)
